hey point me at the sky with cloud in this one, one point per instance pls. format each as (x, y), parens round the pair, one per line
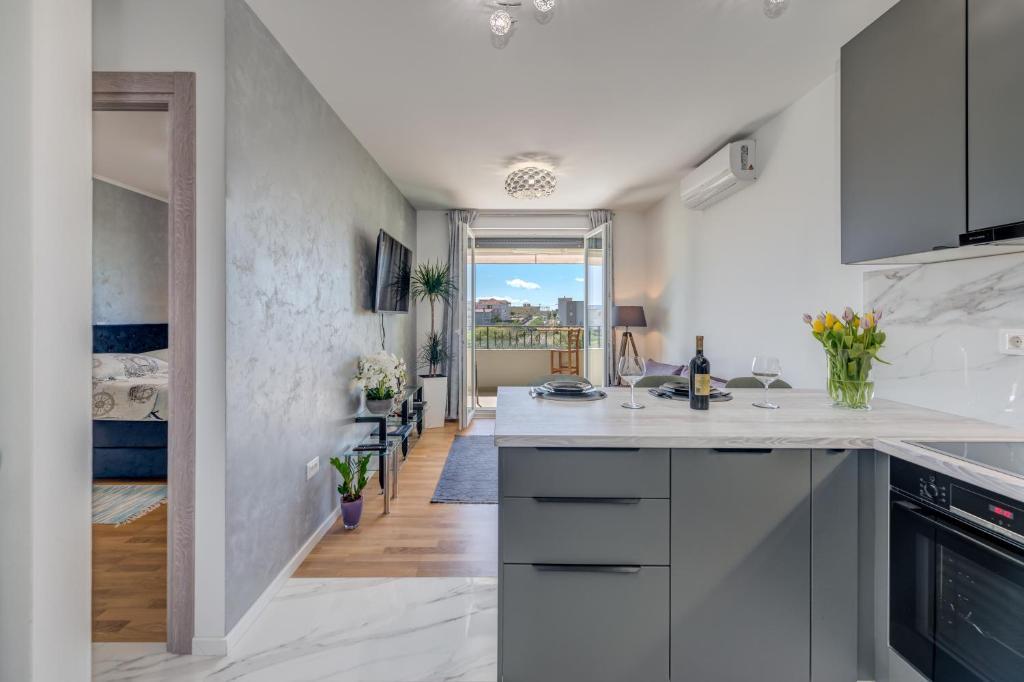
(531, 283)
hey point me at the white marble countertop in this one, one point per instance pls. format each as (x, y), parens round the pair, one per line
(806, 419)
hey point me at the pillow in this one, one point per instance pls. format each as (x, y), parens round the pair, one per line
(162, 354)
(107, 366)
(655, 368)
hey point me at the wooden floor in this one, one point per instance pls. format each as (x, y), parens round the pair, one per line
(129, 564)
(418, 538)
(129, 580)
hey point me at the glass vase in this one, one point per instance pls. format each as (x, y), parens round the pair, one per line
(849, 383)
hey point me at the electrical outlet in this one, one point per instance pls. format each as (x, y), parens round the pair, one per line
(312, 467)
(1011, 341)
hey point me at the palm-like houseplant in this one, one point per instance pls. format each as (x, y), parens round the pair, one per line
(433, 282)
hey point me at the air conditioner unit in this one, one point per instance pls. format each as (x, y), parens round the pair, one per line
(732, 168)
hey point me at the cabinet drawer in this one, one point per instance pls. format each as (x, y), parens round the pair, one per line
(599, 624)
(559, 472)
(585, 530)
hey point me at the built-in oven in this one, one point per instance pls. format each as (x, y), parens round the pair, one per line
(956, 578)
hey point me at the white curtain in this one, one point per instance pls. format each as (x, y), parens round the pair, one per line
(454, 312)
(599, 217)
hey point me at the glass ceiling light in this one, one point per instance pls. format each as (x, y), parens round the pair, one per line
(501, 22)
(773, 9)
(530, 183)
(544, 5)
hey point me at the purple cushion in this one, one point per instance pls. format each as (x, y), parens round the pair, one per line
(661, 369)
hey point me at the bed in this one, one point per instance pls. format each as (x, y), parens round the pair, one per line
(129, 428)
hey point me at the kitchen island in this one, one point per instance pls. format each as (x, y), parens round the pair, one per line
(733, 544)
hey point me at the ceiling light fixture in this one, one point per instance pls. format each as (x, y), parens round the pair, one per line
(530, 182)
(773, 9)
(502, 20)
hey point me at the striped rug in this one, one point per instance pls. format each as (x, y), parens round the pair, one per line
(116, 505)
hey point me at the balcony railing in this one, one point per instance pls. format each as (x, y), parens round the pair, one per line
(513, 337)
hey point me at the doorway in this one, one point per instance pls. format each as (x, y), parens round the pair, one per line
(130, 350)
(535, 307)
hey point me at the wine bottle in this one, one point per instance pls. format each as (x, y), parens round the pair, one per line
(700, 379)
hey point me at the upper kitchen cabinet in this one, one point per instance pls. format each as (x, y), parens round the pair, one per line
(903, 132)
(995, 113)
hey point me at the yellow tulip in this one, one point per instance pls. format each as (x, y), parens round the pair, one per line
(818, 326)
(838, 327)
(830, 320)
(869, 320)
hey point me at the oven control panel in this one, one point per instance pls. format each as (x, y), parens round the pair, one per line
(989, 510)
(933, 489)
(922, 483)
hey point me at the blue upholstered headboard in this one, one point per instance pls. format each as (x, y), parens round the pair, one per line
(128, 338)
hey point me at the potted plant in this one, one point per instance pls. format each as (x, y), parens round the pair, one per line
(381, 377)
(851, 344)
(353, 480)
(433, 282)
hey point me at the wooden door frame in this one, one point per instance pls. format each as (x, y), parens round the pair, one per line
(175, 93)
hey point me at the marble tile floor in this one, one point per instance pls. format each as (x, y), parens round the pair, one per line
(342, 629)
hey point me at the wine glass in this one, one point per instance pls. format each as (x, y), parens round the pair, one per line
(631, 370)
(766, 369)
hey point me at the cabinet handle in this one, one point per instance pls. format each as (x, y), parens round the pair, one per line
(744, 451)
(588, 500)
(564, 449)
(585, 568)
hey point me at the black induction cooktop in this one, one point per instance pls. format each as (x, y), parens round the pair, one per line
(1007, 457)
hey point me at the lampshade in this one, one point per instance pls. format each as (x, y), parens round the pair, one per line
(629, 316)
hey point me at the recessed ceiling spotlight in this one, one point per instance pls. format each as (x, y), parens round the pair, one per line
(773, 9)
(530, 182)
(501, 22)
(544, 5)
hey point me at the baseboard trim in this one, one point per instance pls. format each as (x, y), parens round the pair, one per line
(221, 646)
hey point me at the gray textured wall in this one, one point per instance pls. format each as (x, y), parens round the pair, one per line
(129, 251)
(304, 204)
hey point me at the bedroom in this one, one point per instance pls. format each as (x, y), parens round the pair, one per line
(130, 395)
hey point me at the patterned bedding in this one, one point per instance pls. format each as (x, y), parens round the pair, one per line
(127, 387)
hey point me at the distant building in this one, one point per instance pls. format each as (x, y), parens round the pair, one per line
(500, 309)
(482, 317)
(570, 312)
(526, 311)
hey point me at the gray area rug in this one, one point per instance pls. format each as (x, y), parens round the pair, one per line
(470, 474)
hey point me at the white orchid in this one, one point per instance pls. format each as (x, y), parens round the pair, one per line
(381, 375)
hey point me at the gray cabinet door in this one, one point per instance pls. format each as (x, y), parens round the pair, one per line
(903, 132)
(741, 532)
(834, 527)
(583, 472)
(584, 531)
(995, 112)
(586, 624)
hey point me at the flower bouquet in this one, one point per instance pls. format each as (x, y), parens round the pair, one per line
(381, 377)
(851, 344)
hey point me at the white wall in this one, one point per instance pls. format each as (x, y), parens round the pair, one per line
(743, 272)
(188, 35)
(632, 258)
(45, 314)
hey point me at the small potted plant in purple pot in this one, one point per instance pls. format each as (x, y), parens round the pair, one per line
(353, 479)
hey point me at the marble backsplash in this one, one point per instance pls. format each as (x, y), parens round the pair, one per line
(942, 321)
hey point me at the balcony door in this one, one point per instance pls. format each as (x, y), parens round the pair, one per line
(468, 406)
(595, 315)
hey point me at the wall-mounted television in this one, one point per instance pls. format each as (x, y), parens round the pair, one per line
(394, 275)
